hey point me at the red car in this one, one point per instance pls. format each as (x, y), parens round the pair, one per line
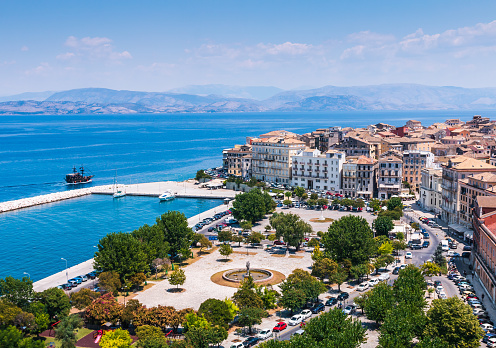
(278, 242)
(280, 326)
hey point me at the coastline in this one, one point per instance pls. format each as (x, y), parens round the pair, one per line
(87, 266)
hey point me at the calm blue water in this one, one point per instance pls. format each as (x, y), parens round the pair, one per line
(37, 151)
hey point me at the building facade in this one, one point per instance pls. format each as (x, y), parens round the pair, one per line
(430, 189)
(471, 187)
(312, 169)
(358, 180)
(413, 163)
(272, 158)
(232, 158)
(389, 175)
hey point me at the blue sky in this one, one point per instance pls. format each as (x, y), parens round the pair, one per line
(160, 45)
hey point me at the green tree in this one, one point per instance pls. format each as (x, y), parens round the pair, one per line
(394, 203)
(452, 321)
(83, 298)
(395, 214)
(122, 253)
(129, 312)
(290, 227)
(378, 302)
(400, 327)
(238, 239)
(359, 271)
(313, 242)
(137, 279)
(299, 191)
(317, 254)
(409, 287)
(287, 202)
(174, 226)
(216, 312)
(350, 238)
(430, 269)
(250, 316)
(202, 175)
(312, 202)
(324, 268)
(200, 337)
(250, 206)
(339, 278)
(386, 248)
(145, 332)
(205, 243)
(178, 277)
(11, 337)
(225, 236)
(334, 329)
(110, 281)
(398, 245)
(153, 241)
(56, 302)
(293, 299)
(16, 291)
(247, 298)
(225, 250)
(65, 331)
(314, 196)
(104, 309)
(383, 225)
(153, 343)
(254, 238)
(268, 296)
(302, 280)
(415, 226)
(116, 339)
(375, 204)
(322, 201)
(8, 313)
(42, 319)
(429, 342)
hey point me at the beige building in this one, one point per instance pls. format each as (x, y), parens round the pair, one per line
(389, 175)
(232, 159)
(272, 158)
(413, 163)
(358, 180)
(473, 186)
(430, 189)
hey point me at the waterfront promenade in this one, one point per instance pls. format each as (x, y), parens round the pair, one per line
(184, 189)
(85, 267)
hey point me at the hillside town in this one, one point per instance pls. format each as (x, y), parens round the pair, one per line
(449, 168)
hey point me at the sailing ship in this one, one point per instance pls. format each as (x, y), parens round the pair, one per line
(117, 193)
(77, 177)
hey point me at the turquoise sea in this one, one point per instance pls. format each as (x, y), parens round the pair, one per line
(37, 151)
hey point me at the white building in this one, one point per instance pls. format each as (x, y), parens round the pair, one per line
(271, 158)
(430, 189)
(315, 170)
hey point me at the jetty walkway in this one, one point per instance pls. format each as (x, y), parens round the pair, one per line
(184, 189)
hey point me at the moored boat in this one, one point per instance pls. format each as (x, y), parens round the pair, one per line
(168, 195)
(77, 177)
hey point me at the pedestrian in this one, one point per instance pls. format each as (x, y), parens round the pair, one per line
(464, 273)
(482, 297)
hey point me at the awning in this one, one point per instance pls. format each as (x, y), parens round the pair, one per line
(469, 234)
(457, 228)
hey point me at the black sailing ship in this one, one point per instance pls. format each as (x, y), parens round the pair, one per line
(78, 177)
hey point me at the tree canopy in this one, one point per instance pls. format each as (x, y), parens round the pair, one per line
(349, 238)
(290, 227)
(383, 225)
(16, 291)
(216, 312)
(252, 206)
(174, 226)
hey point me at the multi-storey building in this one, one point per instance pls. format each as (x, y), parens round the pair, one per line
(473, 186)
(246, 166)
(358, 180)
(232, 158)
(359, 146)
(313, 169)
(271, 158)
(484, 249)
(414, 125)
(413, 163)
(458, 168)
(389, 175)
(430, 189)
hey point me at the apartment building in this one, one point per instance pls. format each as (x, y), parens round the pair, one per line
(246, 172)
(389, 175)
(358, 179)
(360, 145)
(414, 125)
(484, 249)
(473, 186)
(458, 168)
(430, 189)
(272, 158)
(313, 169)
(232, 159)
(413, 163)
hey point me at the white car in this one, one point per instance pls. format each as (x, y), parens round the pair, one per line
(237, 345)
(408, 255)
(295, 319)
(487, 327)
(478, 311)
(362, 287)
(384, 276)
(491, 342)
(298, 332)
(306, 313)
(439, 289)
(350, 309)
(442, 295)
(374, 282)
(265, 334)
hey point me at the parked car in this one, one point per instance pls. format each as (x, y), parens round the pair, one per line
(279, 242)
(67, 286)
(384, 276)
(318, 307)
(362, 287)
(298, 332)
(415, 246)
(306, 313)
(295, 319)
(264, 334)
(350, 309)
(487, 327)
(331, 302)
(280, 326)
(425, 244)
(442, 295)
(374, 281)
(467, 248)
(409, 255)
(251, 341)
(488, 336)
(343, 296)
(237, 345)
(396, 270)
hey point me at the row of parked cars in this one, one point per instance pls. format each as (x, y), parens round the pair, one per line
(429, 222)
(209, 220)
(74, 282)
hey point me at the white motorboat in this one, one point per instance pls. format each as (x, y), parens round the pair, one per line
(168, 195)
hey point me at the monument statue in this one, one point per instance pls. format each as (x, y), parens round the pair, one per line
(248, 268)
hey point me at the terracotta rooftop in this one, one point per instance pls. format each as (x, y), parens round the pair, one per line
(486, 201)
(472, 163)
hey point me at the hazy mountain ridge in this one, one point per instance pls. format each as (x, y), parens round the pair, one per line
(328, 98)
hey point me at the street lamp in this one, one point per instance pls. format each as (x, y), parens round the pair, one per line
(28, 275)
(66, 274)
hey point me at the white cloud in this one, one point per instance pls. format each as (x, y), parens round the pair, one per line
(94, 48)
(286, 48)
(24, 48)
(41, 69)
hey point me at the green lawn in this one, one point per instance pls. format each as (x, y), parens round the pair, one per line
(80, 334)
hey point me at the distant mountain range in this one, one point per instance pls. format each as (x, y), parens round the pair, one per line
(221, 98)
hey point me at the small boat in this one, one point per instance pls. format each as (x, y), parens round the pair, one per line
(117, 193)
(78, 177)
(168, 195)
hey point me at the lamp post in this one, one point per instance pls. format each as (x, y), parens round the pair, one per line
(66, 274)
(29, 276)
